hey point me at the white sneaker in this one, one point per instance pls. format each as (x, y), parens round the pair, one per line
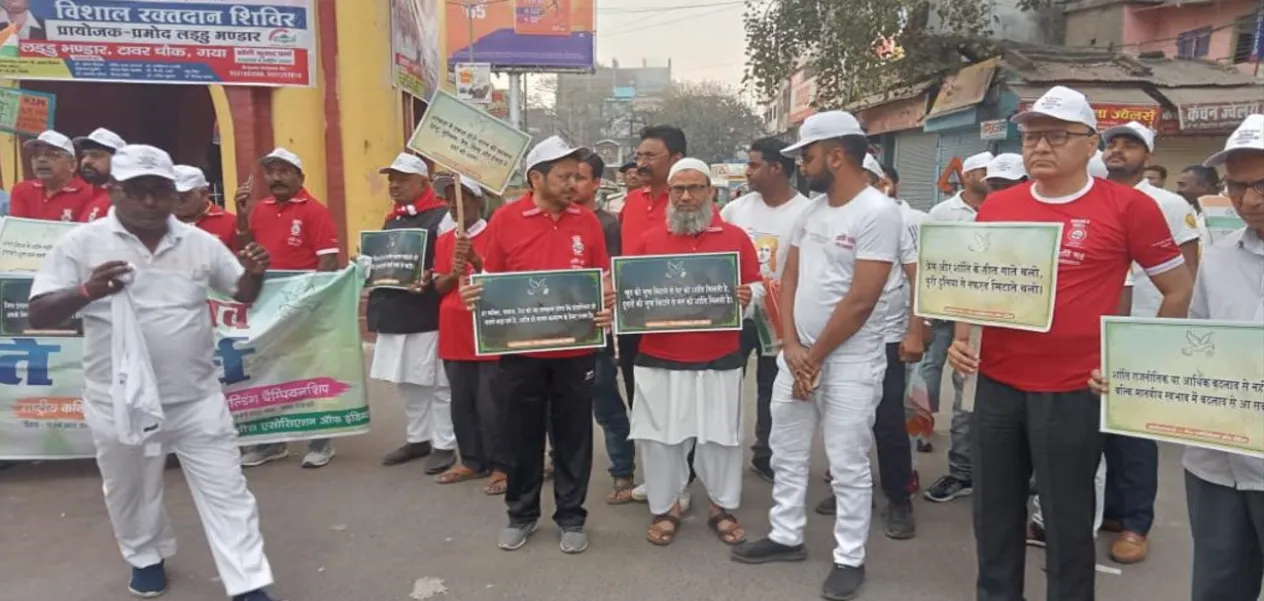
(262, 454)
(318, 457)
(638, 493)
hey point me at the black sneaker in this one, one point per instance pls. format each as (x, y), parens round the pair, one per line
(925, 446)
(843, 583)
(763, 468)
(827, 506)
(766, 550)
(899, 521)
(948, 488)
(1035, 534)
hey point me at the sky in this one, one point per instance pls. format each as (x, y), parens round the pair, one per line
(704, 38)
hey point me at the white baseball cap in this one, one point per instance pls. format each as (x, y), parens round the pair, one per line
(824, 126)
(551, 149)
(977, 161)
(689, 164)
(1097, 166)
(189, 178)
(1134, 129)
(443, 180)
(52, 138)
(873, 166)
(1007, 166)
(139, 160)
(1249, 136)
(102, 137)
(407, 163)
(283, 155)
(1061, 103)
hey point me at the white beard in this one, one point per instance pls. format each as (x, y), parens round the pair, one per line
(689, 223)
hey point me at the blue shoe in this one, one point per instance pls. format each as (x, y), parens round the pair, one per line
(255, 595)
(149, 581)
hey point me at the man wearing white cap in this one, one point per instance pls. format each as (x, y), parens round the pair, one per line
(299, 234)
(962, 207)
(1005, 171)
(160, 271)
(688, 385)
(842, 251)
(1033, 409)
(1132, 464)
(543, 231)
(56, 193)
(195, 207)
(95, 150)
(407, 327)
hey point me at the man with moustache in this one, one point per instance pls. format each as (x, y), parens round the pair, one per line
(631, 175)
(842, 252)
(1193, 183)
(688, 384)
(299, 234)
(550, 392)
(56, 193)
(1033, 410)
(194, 206)
(95, 151)
(407, 327)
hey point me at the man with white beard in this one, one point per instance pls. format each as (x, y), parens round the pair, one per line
(688, 384)
(841, 254)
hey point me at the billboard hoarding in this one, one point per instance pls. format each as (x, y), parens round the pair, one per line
(522, 35)
(415, 65)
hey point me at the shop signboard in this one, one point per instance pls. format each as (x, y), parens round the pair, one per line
(994, 129)
(526, 35)
(415, 46)
(26, 112)
(1212, 117)
(245, 42)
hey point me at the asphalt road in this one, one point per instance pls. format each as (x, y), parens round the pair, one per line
(358, 531)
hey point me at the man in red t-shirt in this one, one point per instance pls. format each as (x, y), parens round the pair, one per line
(688, 384)
(194, 206)
(299, 234)
(543, 231)
(96, 151)
(56, 193)
(1034, 410)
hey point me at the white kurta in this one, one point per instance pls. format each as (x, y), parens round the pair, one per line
(672, 406)
(408, 359)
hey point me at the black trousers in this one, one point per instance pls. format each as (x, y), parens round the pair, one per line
(628, 349)
(1056, 436)
(890, 433)
(1132, 481)
(1228, 529)
(475, 414)
(539, 397)
(765, 374)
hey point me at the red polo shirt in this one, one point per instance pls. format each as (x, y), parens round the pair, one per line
(698, 347)
(98, 207)
(295, 233)
(456, 323)
(642, 212)
(522, 237)
(29, 199)
(1104, 230)
(219, 223)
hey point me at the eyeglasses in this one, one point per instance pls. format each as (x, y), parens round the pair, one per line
(692, 189)
(1238, 189)
(645, 156)
(1056, 138)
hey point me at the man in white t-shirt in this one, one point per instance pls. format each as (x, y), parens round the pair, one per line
(766, 214)
(1132, 464)
(842, 251)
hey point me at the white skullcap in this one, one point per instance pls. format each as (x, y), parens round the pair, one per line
(873, 166)
(689, 164)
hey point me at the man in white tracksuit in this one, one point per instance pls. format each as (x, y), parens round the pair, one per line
(160, 269)
(842, 251)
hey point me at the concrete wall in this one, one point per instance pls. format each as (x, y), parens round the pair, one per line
(1097, 26)
(1148, 29)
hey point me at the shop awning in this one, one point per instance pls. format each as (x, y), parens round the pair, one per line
(1114, 105)
(964, 89)
(1217, 109)
(893, 95)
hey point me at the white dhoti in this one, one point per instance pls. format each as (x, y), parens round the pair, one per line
(845, 405)
(678, 410)
(202, 435)
(411, 362)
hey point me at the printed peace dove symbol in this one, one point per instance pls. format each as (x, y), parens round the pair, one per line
(537, 286)
(676, 269)
(1199, 345)
(981, 243)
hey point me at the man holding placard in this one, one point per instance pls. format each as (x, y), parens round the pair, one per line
(407, 326)
(842, 251)
(1034, 411)
(542, 232)
(689, 378)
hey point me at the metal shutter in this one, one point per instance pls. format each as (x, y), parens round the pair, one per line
(915, 160)
(961, 144)
(1175, 153)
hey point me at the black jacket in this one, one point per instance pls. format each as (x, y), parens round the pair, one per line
(400, 311)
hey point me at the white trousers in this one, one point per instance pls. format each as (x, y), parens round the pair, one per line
(202, 435)
(429, 413)
(666, 468)
(1099, 489)
(845, 405)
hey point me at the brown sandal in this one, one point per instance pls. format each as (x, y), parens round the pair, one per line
(459, 473)
(732, 536)
(621, 494)
(498, 484)
(661, 538)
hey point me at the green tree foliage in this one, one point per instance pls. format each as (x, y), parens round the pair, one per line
(716, 121)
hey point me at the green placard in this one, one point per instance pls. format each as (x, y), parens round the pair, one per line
(676, 293)
(535, 311)
(398, 256)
